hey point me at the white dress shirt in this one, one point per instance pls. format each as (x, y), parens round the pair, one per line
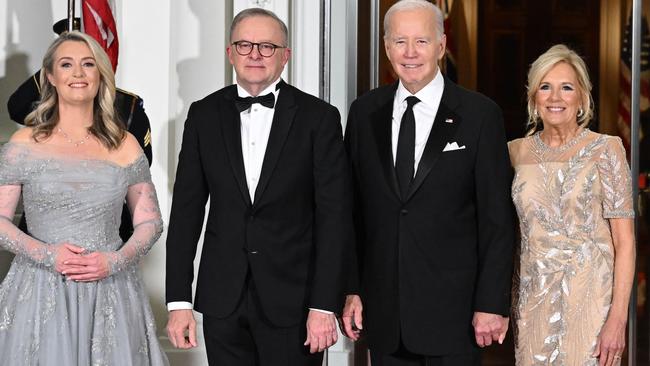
(255, 127)
(424, 112)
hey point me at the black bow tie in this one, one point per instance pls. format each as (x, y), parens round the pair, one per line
(243, 104)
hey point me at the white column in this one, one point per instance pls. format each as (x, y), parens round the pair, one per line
(171, 54)
(305, 43)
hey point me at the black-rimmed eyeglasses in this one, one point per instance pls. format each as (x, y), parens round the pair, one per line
(265, 49)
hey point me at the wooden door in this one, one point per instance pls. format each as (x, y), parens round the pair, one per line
(513, 33)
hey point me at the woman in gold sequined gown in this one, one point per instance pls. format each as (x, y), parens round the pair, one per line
(572, 191)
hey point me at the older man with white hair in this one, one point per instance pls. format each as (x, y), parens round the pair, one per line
(435, 228)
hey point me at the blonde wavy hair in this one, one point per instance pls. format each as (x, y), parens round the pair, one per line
(106, 126)
(539, 69)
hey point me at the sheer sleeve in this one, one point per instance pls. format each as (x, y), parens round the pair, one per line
(13, 173)
(145, 212)
(615, 180)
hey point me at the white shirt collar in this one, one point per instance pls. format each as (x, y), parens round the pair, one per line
(430, 95)
(269, 89)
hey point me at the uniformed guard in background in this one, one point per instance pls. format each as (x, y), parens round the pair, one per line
(128, 105)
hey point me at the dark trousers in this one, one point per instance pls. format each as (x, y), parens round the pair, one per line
(247, 338)
(405, 358)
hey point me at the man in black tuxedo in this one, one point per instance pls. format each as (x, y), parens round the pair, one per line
(433, 214)
(272, 162)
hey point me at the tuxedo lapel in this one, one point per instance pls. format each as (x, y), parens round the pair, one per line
(285, 111)
(444, 128)
(231, 128)
(382, 120)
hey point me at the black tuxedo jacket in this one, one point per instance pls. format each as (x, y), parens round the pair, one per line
(292, 236)
(432, 259)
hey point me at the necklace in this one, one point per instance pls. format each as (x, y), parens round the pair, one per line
(75, 143)
(561, 148)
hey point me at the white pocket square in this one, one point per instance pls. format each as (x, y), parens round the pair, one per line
(451, 146)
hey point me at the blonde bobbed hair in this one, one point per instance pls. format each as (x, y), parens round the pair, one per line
(106, 126)
(539, 69)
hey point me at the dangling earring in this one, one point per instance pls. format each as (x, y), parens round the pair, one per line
(535, 114)
(581, 112)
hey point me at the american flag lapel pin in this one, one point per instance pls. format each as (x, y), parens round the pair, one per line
(449, 120)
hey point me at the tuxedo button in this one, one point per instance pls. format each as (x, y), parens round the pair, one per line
(404, 212)
(251, 218)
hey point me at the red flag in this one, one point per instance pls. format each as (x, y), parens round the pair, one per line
(99, 23)
(624, 114)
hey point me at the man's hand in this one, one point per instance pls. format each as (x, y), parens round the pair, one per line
(489, 327)
(351, 321)
(181, 322)
(321, 331)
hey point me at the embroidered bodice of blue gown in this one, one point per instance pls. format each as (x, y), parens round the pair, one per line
(46, 319)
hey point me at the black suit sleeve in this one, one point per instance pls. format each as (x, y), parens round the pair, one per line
(131, 113)
(24, 99)
(496, 228)
(332, 223)
(187, 213)
(353, 270)
(140, 128)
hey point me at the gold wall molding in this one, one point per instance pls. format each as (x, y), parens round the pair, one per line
(611, 23)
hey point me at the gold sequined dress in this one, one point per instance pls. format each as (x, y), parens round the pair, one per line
(564, 197)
